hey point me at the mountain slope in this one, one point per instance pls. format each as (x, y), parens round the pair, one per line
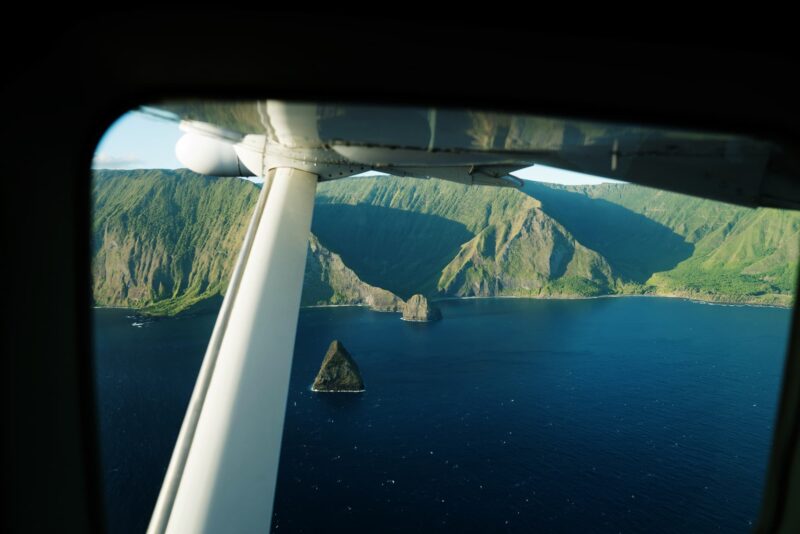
(635, 245)
(439, 238)
(753, 259)
(529, 255)
(404, 234)
(329, 281)
(164, 241)
(739, 254)
(400, 233)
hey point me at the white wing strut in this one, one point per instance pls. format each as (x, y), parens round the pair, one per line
(224, 468)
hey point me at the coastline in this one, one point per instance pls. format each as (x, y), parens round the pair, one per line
(709, 302)
(312, 306)
(666, 296)
(337, 391)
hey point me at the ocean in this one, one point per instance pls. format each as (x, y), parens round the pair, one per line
(509, 415)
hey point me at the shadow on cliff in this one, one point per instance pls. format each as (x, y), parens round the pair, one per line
(634, 246)
(394, 249)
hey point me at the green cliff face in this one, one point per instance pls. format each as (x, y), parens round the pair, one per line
(738, 254)
(445, 239)
(529, 255)
(751, 259)
(547, 240)
(164, 241)
(329, 281)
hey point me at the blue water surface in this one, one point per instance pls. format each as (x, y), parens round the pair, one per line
(602, 415)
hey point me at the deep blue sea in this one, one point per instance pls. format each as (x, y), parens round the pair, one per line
(605, 415)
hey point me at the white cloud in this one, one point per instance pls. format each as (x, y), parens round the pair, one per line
(104, 160)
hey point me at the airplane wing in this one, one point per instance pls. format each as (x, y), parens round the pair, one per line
(339, 140)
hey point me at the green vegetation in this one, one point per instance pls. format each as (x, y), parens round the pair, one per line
(329, 281)
(400, 233)
(164, 241)
(528, 255)
(740, 254)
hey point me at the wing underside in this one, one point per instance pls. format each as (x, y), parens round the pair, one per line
(484, 147)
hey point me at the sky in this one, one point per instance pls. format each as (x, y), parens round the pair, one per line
(140, 141)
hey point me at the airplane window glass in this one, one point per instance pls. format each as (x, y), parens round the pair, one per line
(506, 322)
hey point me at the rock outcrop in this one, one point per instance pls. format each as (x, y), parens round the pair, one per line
(328, 281)
(418, 309)
(339, 372)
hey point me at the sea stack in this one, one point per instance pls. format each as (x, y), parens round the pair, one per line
(418, 309)
(339, 372)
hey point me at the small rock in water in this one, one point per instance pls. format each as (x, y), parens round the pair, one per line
(418, 309)
(339, 372)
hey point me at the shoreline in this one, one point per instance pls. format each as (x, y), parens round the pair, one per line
(313, 306)
(450, 299)
(665, 296)
(337, 391)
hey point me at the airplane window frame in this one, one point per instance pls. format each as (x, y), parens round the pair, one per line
(62, 387)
